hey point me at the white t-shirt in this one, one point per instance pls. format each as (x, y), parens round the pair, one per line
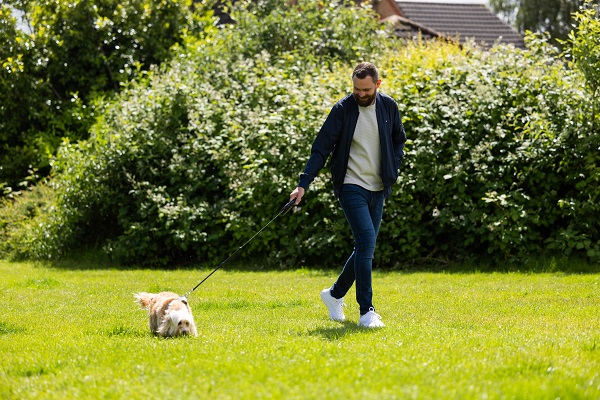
(364, 165)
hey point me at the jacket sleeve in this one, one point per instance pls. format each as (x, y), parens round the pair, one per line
(398, 137)
(323, 146)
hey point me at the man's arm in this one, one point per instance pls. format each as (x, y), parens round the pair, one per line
(321, 149)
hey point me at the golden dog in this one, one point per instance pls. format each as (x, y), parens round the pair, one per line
(170, 314)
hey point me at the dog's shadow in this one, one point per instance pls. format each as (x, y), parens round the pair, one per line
(130, 332)
(344, 329)
(123, 331)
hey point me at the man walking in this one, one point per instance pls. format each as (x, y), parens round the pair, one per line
(365, 137)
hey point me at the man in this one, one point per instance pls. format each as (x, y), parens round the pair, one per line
(365, 138)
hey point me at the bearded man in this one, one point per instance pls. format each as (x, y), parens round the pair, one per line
(365, 137)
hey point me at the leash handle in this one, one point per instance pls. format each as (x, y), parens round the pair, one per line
(287, 206)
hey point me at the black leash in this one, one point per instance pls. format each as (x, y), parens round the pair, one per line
(283, 211)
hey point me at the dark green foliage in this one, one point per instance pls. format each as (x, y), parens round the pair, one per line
(77, 53)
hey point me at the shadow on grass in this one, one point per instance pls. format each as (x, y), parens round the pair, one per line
(7, 329)
(533, 265)
(95, 259)
(128, 332)
(123, 331)
(344, 329)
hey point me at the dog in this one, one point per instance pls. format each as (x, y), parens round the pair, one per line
(170, 314)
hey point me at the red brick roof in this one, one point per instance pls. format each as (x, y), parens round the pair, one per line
(462, 21)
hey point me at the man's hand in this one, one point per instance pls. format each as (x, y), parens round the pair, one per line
(297, 194)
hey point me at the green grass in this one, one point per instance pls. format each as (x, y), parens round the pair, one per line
(77, 333)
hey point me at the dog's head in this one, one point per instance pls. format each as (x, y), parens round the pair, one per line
(177, 320)
(180, 322)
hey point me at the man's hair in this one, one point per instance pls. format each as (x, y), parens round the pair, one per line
(364, 69)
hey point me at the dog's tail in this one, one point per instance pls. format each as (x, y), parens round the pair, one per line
(143, 298)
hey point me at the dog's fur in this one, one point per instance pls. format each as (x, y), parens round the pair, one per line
(170, 315)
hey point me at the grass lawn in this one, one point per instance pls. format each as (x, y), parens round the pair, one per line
(77, 333)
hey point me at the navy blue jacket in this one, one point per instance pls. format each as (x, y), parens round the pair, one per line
(335, 138)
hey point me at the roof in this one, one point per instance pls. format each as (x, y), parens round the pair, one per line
(461, 20)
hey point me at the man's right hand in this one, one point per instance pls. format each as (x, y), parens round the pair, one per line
(297, 194)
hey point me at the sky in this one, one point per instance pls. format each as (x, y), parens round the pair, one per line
(20, 23)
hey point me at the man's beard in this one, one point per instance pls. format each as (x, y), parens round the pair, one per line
(365, 101)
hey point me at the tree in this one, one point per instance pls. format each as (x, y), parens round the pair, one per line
(585, 46)
(552, 16)
(77, 53)
(20, 109)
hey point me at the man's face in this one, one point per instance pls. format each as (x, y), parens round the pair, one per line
(365, 90)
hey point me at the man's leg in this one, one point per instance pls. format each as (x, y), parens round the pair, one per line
(363, 210)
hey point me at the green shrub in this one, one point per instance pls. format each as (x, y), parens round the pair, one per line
(491, 136)
(19, 214)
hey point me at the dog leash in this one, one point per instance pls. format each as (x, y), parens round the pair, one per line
(283, 211)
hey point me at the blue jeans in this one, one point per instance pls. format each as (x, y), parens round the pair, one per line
(363, 210)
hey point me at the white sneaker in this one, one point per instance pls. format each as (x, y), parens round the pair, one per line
(335, 306)
(371, 320)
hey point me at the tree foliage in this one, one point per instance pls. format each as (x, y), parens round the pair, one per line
(584, 47)
(553, 17)
(76, 53)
